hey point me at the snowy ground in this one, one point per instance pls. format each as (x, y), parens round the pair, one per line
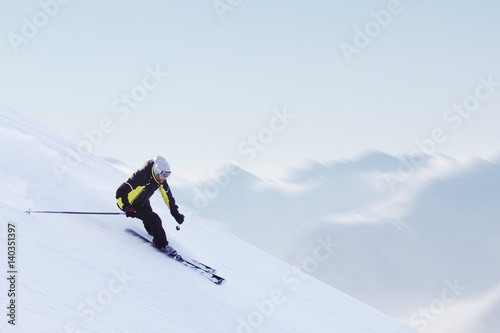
(85, 274)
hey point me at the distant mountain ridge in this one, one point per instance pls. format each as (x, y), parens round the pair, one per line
(439, 223)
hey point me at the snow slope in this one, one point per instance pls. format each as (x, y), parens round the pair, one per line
(79, 273)
(400, 246)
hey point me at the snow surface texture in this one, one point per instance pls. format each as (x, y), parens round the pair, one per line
(81, 273)
(418, 241)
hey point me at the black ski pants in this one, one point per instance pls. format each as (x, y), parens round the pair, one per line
(152, 223)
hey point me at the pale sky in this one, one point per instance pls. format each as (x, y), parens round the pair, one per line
(268, 84)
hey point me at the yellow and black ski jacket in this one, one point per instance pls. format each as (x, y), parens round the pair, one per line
(140, 186)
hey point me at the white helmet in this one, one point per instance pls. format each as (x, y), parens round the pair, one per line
(161, 166)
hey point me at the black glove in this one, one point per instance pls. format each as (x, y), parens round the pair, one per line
(178, 217)
(130, 212)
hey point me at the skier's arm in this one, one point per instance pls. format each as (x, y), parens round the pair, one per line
(122, 195)
(130, 190)
(170, 201)
(168, 198)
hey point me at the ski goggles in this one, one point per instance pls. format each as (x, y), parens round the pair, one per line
(165, 174)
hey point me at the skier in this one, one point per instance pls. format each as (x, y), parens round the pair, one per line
(133, 198)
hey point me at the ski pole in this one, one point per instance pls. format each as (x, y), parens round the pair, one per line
(29, 211)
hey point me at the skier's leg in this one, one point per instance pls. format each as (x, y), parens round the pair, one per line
(144, 208)
(148, 228)
(152, 221)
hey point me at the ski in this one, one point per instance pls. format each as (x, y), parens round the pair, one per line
(202, 269)
(206, 268)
